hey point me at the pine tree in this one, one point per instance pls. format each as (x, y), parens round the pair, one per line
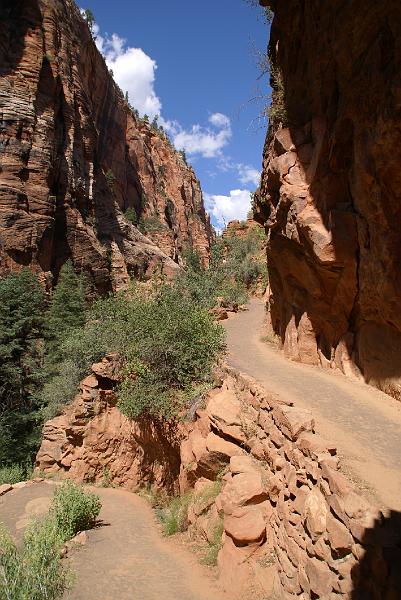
(67, 309)
(22, 331)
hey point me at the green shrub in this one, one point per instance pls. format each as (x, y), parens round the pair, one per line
(14, 473)
(213, 547)
(174, 517)
(131, 215)
(152, 223)
(73, 509)
(110, 179)
(174, 344)
(33, 571)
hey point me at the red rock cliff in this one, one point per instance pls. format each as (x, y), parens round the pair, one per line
(331, 189)
(64, 128)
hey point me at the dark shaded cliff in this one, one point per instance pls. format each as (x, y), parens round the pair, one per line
(330, 195)
(73, 158)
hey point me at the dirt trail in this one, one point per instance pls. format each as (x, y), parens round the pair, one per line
(125, 558)
(364, 423)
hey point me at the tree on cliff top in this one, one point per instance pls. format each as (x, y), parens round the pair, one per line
(22, 330)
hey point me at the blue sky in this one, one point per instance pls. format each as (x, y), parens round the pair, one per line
(195, 64)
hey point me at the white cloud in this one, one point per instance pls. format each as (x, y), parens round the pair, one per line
(248, 174)
(133, 70)
(224, 209)
(205, 141)
(220, 120)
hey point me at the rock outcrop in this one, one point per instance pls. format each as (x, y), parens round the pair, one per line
(74, 157)
(91, 441)
(293, 526)
(263, 487)
(330, 195)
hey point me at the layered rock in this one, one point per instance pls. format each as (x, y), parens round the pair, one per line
(293, 525)
(74, 158)
(92, 441)
(330, 192)
(262, 485)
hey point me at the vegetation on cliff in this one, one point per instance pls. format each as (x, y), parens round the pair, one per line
(164, 332)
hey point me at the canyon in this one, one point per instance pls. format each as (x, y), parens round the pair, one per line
(330, 192)
(75, 156)
(288, 512)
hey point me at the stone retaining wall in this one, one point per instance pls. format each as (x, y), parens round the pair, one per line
(288, 510)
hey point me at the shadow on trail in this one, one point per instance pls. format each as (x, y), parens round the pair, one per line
(377, 575)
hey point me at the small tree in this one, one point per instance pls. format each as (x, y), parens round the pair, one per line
(90, 19)
(110, 179)
(183, 156)
(67, 309)
(22, 331)
(127, 98)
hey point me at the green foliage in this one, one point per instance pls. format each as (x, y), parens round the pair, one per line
(73, 509)
(183, 155)
(213, 547)
(174, 516)
(131, 216)
(14, 473)
(110, 179)
(277, 111)
(33, 571)
(90, 19)
(67, 308)
(174, 344)
(151, 224)
(22, 329)
(236, 265)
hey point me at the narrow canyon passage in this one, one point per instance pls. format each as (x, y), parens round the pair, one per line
(124, 558)
(364, 423)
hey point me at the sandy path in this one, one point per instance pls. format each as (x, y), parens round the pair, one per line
(364, 423)
(126, 558)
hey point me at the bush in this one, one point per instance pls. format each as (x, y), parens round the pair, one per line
(33, 571)
(131, 216)
(213, 548)
(74, 510)
(174, 344)
(14, 473)
(174, 517)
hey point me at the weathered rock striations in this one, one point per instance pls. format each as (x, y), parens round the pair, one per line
(92, 441)
(74, 157)
(330, 195)
(293, 525)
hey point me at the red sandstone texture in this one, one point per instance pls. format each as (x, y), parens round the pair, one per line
(293, 526)
(330, 195)
(64, 125)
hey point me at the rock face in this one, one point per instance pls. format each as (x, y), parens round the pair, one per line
(283, 503)
(263, 488)
(74, 158)
(330, 195)
(92, 441)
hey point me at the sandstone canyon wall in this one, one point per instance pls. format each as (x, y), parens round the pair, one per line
(73, 158)
(289, 522)
(330, 196)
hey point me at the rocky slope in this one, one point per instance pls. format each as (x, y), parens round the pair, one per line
(74, 157)
(262, 487)
(330, 196)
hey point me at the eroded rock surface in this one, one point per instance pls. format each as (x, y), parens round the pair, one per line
(92, 441)
(330, 193)
(74, 158)
(263, 487)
